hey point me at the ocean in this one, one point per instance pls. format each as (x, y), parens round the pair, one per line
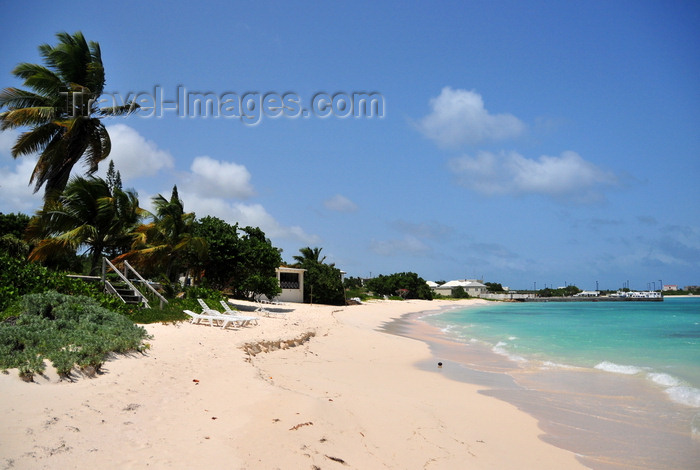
(618, 383)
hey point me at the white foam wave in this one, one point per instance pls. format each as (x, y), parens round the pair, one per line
(676, 389)
(557, 365)
(500, 349)
(618, 368)
(685, 395)
(664, 380)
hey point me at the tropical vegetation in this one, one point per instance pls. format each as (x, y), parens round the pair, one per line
(242, 264)
(60, 108)
(323, 283)
(88, 214)
(406, 285)
(164, 245)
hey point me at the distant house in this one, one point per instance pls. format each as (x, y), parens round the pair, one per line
(291, 281)
(471, 286)
(588, 293)
(669, 287)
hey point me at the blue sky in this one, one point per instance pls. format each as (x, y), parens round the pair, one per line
(521, 142)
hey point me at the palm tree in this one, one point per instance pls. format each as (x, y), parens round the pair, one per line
(61, 111)
(310, 254)
(166, 242)
(86, 215)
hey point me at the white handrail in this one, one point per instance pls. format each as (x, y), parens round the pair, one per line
(140, 278)
(123, 278)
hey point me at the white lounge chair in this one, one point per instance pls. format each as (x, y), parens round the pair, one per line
(212, 319)
(234, 313)
(264, 311)
(207, 309)
(241, 320)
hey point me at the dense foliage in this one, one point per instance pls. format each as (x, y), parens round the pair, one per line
(166, 245)
(689, 290)
(68, 331)
(243, 264)
(459, 293)
(322, 282)
(407, 285)
(352, 282)
(494, 287)
(12, 228)
(567, 291)
(89, 215)
(17, 278)
(13, 224)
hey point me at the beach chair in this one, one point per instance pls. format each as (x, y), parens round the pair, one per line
(234, 318)
(206, 309)
(213, 320)
(268, 301)
(262, 310)
(234, 313)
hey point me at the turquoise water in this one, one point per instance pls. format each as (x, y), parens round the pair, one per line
(617, 383)
(658, 341)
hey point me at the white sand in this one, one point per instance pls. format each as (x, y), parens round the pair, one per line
(350, 397)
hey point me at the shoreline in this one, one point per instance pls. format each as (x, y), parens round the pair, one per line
(579, 410)
(349, 396)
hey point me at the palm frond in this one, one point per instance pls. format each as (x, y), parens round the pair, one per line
(39, 78)
(15, 98)
(24, 117)
(37, 139)
(122, 110)
(47, 248)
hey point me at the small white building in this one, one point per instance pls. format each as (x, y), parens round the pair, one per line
(588, 293)
(471, 286)
(291, 281)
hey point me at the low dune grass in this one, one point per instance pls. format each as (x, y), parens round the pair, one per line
(69, 331)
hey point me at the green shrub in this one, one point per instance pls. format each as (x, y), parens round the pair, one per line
(68, 330)
(19, 277)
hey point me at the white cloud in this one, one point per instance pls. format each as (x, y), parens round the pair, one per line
(134, 156)
(567, 176)
(7, 140)
(16, 194)
(459, 117)
(408, 244)
(340, 203)
(223, 179)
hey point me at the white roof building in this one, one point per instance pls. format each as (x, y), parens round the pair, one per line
(471, 286)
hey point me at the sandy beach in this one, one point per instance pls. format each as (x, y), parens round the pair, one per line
(339, 393)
